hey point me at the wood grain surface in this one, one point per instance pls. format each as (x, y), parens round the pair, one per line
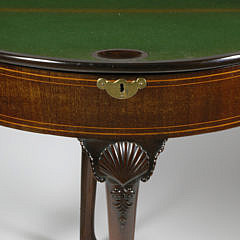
(70, 104)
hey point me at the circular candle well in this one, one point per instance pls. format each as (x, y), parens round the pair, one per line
(120, 54)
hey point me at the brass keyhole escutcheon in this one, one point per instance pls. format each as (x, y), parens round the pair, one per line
(121, 89)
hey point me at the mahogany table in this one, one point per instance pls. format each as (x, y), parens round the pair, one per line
(122, 77)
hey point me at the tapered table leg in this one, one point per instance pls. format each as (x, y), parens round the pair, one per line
(88, 195)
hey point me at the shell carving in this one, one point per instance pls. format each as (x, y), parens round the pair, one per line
(123, 162)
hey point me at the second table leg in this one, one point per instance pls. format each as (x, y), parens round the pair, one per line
(88, 196)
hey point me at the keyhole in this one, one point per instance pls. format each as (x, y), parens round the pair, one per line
(121, 87)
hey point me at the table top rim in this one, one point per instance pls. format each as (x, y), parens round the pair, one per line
(114, 66)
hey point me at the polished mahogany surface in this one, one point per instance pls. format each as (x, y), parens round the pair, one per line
(70, 104)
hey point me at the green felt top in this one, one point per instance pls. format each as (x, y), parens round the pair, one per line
(171, 29)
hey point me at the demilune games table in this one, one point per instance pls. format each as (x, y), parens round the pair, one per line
(122, 77)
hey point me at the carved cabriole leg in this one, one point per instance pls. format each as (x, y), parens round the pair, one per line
(122, 165)
(88, 193)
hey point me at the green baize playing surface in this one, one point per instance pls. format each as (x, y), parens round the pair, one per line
(166, 30)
